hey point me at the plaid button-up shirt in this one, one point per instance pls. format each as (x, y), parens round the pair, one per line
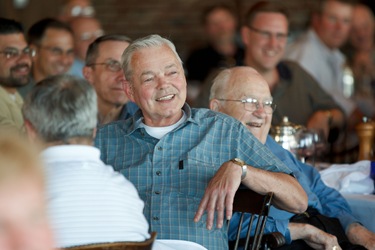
(171, 174)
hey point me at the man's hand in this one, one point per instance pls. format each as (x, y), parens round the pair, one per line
(319, 122)
(219, 194)
(359, 235)
(313, 236)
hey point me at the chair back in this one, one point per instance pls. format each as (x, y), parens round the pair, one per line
(126, 245)
(257, 205)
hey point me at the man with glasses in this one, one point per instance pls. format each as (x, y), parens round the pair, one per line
(295, 92)
(103, 70)
(15, 67)
(242, 93)
(53, 43)
(85, 30)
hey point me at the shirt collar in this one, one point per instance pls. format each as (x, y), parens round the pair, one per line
(330, 53)
(71, 153)
(136, 120)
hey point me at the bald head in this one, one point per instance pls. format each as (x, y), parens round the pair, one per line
(362, 35)
(234, 92)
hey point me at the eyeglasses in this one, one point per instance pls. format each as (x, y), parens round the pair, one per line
(251, 104)
(88, 11)
(111, 65)
(86, 36)
(268, 35)
(13, 53)
(56, 51)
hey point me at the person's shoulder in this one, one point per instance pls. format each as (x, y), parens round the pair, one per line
(293, 66)
(114, 128)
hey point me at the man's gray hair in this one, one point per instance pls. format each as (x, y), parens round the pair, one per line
(143, 43)
(218, 84)
(62, 107)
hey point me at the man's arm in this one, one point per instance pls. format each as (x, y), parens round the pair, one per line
(313, 236)
(359, 235)
(221, 189)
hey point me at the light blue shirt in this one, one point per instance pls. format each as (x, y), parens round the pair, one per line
(171, 174)
(326, 200)
(76, 68)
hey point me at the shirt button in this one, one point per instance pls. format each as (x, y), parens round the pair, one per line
(160, 148)
(155, 218)
(158, 173)
(157, 192)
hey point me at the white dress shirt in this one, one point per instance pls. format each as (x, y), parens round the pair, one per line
(324, 64)
(88, 201)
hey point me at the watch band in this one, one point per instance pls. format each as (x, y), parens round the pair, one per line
(242, 164)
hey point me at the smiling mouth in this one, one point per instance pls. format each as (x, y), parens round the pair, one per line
(165, 98)
(271, 52)
(254, 124)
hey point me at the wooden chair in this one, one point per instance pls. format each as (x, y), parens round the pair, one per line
(126, 245)
(257, 205)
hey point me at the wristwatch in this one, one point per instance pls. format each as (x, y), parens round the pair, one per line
(242, 164)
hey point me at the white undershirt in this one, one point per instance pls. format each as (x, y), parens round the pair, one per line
(159, 132)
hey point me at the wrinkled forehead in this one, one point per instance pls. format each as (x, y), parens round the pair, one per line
(250, 84)
(153, 58)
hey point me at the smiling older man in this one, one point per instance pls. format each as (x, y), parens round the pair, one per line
(172, 153)
(243, 93)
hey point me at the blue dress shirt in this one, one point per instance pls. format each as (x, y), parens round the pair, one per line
(326, 200)
(171, 174)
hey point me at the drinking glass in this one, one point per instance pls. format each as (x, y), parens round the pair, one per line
(305, 144)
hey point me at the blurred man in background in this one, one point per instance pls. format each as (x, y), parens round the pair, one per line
(15, 67)
(85, 30)
(103, 70)
(53, 43)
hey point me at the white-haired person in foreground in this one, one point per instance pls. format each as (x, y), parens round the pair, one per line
(23, 213)
(88, 201)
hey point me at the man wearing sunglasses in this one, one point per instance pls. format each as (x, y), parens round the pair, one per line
(15, 66)
(103, 70)
(295, 92)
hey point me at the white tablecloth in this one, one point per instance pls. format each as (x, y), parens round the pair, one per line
(363, 207)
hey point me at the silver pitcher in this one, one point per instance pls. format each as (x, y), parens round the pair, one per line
(284, 133)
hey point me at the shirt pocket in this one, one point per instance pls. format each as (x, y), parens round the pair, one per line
(195, 171)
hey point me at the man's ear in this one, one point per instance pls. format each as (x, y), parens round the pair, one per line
(32, 135)
(94, 133)
(35, 48)
(87, 73)
(214, 105)
(245, 35)
(129, 91)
